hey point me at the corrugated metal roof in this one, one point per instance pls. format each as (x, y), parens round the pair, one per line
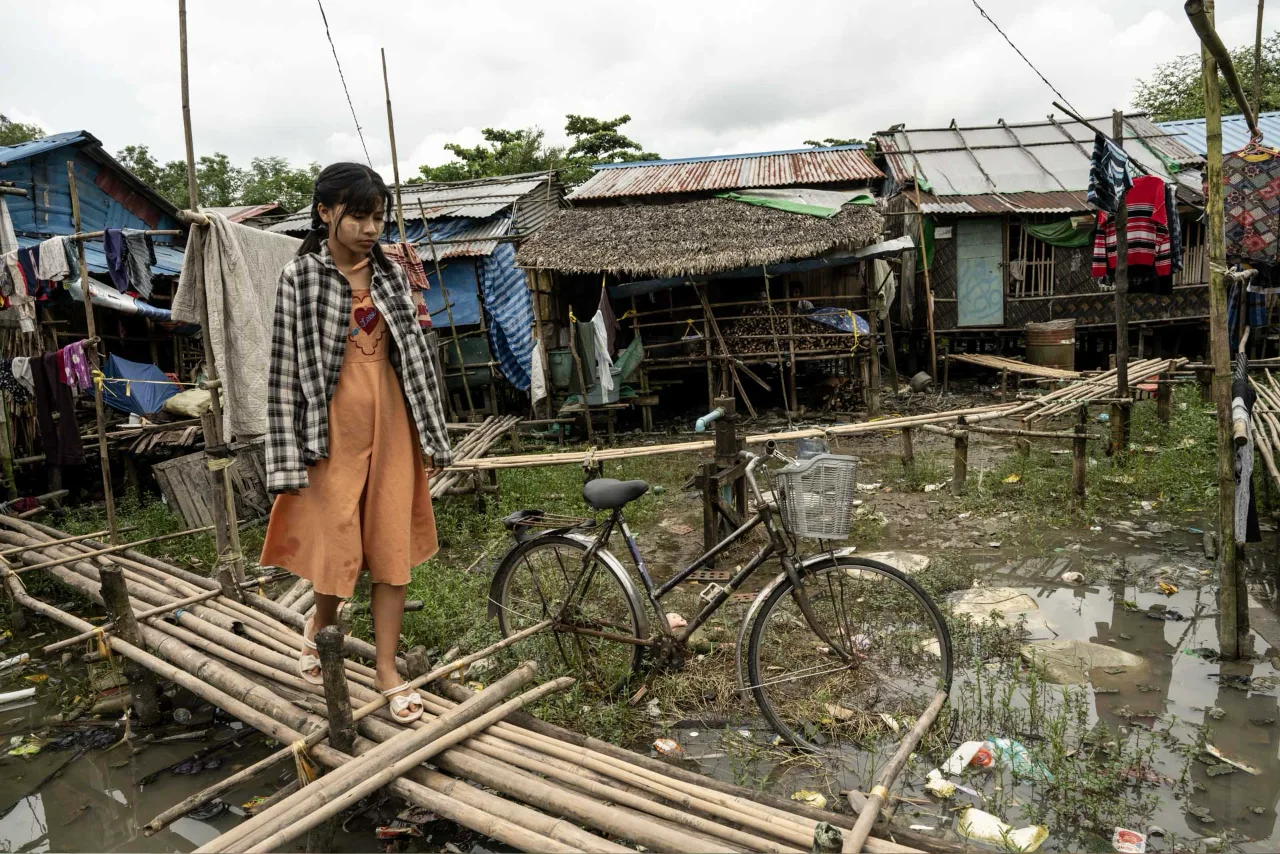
(240, 213)
(987, 203)
(473, 199)
(1038, 157)
(1235, 133)
(799, 167)
(467, 238)
(23, 150)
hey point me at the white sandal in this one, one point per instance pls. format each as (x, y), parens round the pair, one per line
(400, 705)
(309, 662)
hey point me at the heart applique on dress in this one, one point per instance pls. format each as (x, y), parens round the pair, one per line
(367, 318)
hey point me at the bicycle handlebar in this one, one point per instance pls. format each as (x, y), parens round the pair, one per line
(750, 473)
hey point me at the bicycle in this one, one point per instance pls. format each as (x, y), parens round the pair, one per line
(834, 640)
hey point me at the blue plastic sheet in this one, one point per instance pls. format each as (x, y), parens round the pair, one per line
(461, 286)
(839, 318)
(135, 387)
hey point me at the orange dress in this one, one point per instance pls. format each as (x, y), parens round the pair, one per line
(368, 504)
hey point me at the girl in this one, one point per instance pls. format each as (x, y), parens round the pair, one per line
(352, 407)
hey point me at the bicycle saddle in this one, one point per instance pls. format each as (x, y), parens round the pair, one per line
(606, 493)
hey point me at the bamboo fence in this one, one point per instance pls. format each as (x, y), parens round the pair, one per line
(548, 789)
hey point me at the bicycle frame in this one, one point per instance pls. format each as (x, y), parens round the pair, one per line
(778, 544)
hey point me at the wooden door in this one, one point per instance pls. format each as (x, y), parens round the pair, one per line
(979, 277)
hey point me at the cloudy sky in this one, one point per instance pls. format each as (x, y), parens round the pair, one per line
(697, 76)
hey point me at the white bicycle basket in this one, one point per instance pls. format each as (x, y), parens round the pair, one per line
(817, 496)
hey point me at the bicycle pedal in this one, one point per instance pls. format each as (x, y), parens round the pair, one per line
(710, 592)
(711, 575)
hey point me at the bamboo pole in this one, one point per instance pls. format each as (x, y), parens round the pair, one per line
(1233, 615)
(448, 307)
(202, 797)
(1120, 412)
(715, 329)
(856, 838)
(928, 287)
(113, 549)
(445, 733)
(92, 355)
(356, 775)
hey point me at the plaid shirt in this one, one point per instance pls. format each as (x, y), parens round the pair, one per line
(313, 314)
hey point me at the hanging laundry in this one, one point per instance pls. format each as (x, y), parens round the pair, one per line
(21, 368)
(8, 239)
(424, 313)
(140, 257)
(1109, 175)
(117, 264)
(29, 261)
(1252, 203)
(75, 366)
(604, 364)
(537, 377)
(407, 257)
(883, 283)
(510, 308)
(1247, 529)
(7, 270)
(606, 310)
(234, 270)
(26, 308)
(60, 436)
(1254, 304)
(1148, 230)
(1175, 228)
(53, 260)
(9, 382)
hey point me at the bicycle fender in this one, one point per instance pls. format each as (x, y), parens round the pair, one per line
(611, 563)
(740, 665)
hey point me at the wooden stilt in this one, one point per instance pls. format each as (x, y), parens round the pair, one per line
(908, 448)
(342, 730)
(142, 684)
(873, 392)
(91, 352)
(1079, 458)
(960, 468)
(1164, 397)
(1120, 417)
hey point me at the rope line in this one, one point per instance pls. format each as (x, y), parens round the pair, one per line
(342, 77)
(1030, 65)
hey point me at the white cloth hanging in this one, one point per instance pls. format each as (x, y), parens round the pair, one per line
(53, 260)
(8, 240)
(604, 364)
(537, 378)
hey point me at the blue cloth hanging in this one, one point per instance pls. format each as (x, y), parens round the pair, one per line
(135, 387)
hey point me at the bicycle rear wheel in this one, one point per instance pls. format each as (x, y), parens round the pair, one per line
(899, 653)
(597, 638)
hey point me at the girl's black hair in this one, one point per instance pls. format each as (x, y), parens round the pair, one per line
(356, 189)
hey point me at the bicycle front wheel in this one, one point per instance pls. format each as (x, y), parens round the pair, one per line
(894, 653)
(598, 623)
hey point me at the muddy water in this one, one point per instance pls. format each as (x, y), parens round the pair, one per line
(1180, 699)
(100, 800)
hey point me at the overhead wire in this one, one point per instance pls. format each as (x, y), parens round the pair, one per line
(1029, 63)
(342, 77)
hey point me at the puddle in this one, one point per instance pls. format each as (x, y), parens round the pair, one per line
(101, 800)
(1152, 722)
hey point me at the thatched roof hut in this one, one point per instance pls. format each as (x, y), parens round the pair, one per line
(690, 238)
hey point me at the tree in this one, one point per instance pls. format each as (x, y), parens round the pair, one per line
(1175, 89)
(219, 181)
(830, 141)
(515, 152)
(12, 133)
(272, 179)
(169, 179)
(507, 152)
(599, 141)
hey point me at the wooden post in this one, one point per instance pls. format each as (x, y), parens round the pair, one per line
(890, 353)
(415, 661)
(873, 393)
(142, 684)
(908, 449)
(1079, 458)
(946, 373)
(222, 496)
(927, 259)
(1164, 397)
(582, 380)
(960, 470)
(646, 412)
(6, 455)
(342, 729)
(453, 327)
(1004, 384)
(91, 353)
(1120, 415)
(1233, 614)
(1204, 380)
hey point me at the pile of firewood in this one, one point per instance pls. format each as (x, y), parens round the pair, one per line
(753, 332)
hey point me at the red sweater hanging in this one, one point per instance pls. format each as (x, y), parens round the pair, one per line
(1149, 243)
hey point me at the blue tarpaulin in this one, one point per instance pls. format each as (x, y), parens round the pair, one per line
(839, 318)
(135, 387)
(506, 296)
(460, 284)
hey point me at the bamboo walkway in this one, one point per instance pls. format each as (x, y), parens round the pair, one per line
(501, 773)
